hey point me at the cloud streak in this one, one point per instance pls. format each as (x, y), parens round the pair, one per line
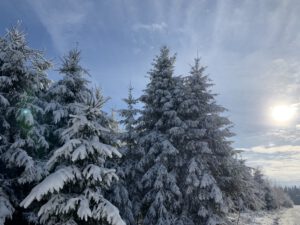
(154, 27)
(63, 20)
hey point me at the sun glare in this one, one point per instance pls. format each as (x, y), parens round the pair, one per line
(283, 113)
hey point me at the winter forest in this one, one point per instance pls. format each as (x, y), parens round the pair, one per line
(65, 161)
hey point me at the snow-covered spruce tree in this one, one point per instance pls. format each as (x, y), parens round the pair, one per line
(73, 192)
(158, 184)
(213, 179)
(62, 95)
(124, 194)
(58, 103)
(22, 146)
(203, 147)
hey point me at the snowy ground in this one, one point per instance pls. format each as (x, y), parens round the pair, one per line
(280, 217)
(290, 217)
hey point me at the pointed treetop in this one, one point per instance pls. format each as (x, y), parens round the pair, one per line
(74, 85)
(130, 100)
(163, 61)
(70, 62)
(197, 69)
(16, 36)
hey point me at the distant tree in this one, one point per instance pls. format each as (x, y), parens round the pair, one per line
(129, 121)
(294, 193)
(124, 194)
(282, 199)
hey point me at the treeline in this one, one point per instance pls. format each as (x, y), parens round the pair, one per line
(65, 162)
(294, 193)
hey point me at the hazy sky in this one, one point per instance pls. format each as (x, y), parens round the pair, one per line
(251, 49)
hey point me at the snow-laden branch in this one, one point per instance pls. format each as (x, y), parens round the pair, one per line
(52, 183)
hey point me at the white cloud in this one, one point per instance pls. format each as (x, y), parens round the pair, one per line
(279, 163)
(276, 149)
(154, 27)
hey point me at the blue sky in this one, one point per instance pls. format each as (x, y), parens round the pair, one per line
(251, 48)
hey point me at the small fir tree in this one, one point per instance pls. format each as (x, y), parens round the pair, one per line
(124, 193)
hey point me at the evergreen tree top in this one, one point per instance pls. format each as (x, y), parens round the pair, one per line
(129, 113)
(163, 64)
(130, 100)
(158, 94)
(73, 86)
(21, 66)
(70, 64)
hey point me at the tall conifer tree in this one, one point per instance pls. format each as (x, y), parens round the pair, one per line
(201, 150)
(158, 184)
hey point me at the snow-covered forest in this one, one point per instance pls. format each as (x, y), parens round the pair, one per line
(65, 161)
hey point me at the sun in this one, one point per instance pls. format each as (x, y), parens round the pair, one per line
(283, 113)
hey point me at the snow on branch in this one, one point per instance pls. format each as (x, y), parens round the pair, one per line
(52, 183)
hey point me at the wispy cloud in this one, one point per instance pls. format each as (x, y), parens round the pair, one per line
(63, 20)
(288, 149)
(153, 27)
(285, 135)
